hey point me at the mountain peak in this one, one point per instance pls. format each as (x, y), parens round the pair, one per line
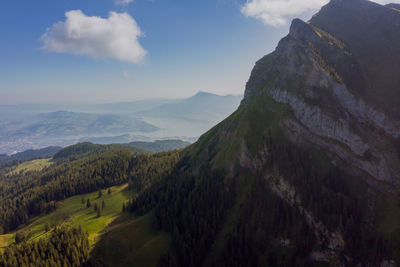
(350, 51)
(300, 29)
(203, 94)
(371, 33)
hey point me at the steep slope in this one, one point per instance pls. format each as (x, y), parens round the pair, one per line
(341, 84)
(371, 33)
(307, 170)
(394, 6)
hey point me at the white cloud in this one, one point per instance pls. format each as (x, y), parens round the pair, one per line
(385, 2)
(114, 37)
(279, 12)
(123, 2)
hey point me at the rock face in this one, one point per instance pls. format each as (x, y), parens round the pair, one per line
(394, 6)
(341, 78)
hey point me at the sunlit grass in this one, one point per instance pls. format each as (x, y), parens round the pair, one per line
(33, 165)
(73, 212)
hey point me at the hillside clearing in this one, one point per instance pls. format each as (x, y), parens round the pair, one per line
(33, 165)
(72, 211)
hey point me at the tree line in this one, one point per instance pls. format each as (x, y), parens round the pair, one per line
(64, 247)
(23, 196)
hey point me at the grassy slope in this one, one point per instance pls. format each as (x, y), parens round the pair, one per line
(131, 241)
(33, 165)
(72, 211)
(110, 235)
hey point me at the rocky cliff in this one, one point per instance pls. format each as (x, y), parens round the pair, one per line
(340, 76)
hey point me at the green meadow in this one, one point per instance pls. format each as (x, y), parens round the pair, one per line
(33, 165)
(73, 212)
(116, 238)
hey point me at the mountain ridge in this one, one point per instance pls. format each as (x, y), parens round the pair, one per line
(328, 107)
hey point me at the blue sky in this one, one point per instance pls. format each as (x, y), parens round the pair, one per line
(183, 46)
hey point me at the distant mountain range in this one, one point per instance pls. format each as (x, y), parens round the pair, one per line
(192, 116)
(202, 107)
(25, 127)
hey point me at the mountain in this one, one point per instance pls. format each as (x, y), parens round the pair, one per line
(338, 75)
(191, 116)
(306, 172)
(200, 107)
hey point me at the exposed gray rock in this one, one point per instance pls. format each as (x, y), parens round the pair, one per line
(333, 242)
(326, 113)
(320, 123)
(360, 110)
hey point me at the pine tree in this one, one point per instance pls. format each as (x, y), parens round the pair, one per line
(47, 227)
(88, 203)
(19, 237)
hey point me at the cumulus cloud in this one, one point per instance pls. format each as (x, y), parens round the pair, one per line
(279, 12)
(123, 2)
(385, 2)
(114, 37)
